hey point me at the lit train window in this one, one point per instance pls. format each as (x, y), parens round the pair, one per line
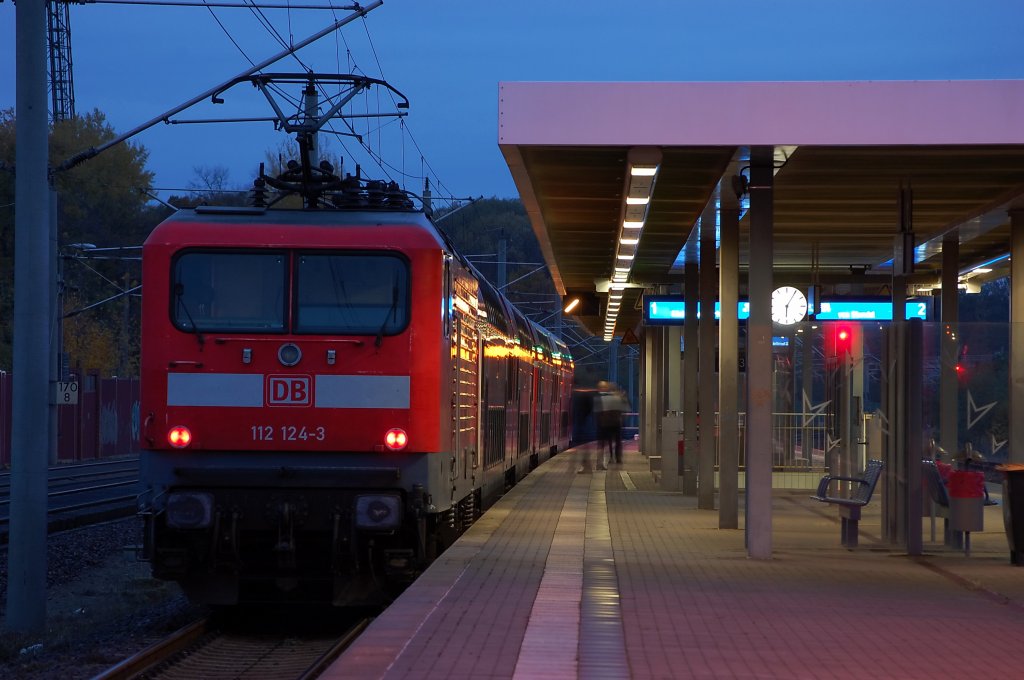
(351, 294)
(229, 291)
(446, 297)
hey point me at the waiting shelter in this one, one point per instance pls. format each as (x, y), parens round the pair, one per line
(818, 217)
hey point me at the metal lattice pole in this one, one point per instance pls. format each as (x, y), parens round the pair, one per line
(62, 84)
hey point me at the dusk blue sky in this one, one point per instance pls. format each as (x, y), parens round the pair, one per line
(135, 62)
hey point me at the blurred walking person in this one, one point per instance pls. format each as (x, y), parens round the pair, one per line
(609, 406)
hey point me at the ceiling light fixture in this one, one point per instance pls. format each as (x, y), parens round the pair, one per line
(642, 163)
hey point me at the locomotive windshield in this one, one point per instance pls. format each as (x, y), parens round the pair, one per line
(352, 293)
(229, 291)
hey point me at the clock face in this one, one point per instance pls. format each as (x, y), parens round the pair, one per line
(788, 305)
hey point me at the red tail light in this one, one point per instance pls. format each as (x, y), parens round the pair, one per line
(396, 439)
(179, 437)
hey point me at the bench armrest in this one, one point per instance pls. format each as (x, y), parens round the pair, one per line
(860, 480)
(839, 501)
(828, 479)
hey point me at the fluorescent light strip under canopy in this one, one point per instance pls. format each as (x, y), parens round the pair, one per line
(643, 164)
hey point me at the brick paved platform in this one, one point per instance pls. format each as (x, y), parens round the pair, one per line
(587, 573)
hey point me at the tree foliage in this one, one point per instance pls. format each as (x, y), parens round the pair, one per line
(100, 202)
(477, 229)
(991, 305)
(211, 186)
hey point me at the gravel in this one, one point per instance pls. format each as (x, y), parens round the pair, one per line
(101, 606)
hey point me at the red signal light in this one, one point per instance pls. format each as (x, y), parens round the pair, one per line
(179, 437)
(843, 339)
(396, 439)
(961, 372)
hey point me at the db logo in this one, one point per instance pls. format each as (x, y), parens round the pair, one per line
(289, 390)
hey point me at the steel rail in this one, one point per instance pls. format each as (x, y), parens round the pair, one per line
(157, 652)
(328, 657)
(69, 492)
(187, 640)
(78, 466)
(98, 487)
(55, 523)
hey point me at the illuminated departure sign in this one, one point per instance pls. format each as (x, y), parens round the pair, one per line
(847, 309)
(669, 310)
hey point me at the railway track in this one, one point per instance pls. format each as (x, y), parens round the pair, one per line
(81, 494)
(224, 650)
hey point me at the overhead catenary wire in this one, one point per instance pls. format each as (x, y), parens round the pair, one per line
(93, 151)
(226, 32)
(257, 12)
(216, 3)
(365, 140)
(261, 18)
(377, 158)
(412, 137)
(373, 144)
(256, 8)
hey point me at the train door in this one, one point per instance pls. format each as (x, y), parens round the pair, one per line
(465, 385)
(511, 407)
(538, 405)
(545, 411)
(522, 404)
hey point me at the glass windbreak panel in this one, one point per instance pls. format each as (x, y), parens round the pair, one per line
(229, 291)
(839, 386)
(966, 399)
(352, 294)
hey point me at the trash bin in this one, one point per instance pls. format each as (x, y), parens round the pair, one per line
(1013, 509)
(966, 500)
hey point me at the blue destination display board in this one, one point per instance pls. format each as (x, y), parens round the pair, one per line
(869, 310)
(669, 310)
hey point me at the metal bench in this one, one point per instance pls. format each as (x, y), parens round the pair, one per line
(849, 506)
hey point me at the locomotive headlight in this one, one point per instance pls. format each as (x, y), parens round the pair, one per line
(189, 510)
(179, 437)
(396, 439)
(378, 511)
(289, 354)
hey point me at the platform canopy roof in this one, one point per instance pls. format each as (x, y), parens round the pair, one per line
(843, 151)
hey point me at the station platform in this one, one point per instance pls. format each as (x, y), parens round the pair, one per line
(586, 573)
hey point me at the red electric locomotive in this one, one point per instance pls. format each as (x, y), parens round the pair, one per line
(330, 395)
